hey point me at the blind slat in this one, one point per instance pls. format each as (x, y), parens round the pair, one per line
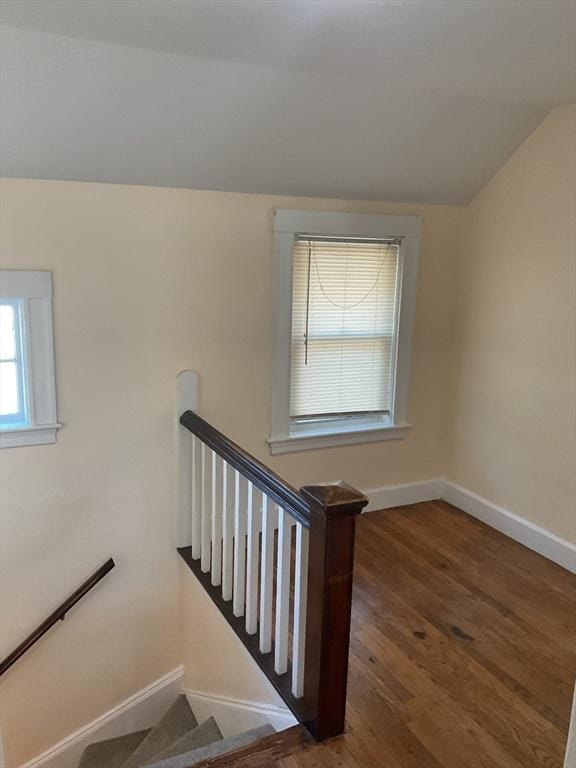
(343, 326)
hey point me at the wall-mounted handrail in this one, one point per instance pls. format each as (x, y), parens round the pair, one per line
(57, 615)
(259, 474)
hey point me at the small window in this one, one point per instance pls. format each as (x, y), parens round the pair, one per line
(345, 286)
(27, 390)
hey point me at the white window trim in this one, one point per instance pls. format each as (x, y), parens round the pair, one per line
(284, 438)
(34, 290)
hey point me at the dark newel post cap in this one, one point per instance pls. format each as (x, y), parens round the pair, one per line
(336, 498)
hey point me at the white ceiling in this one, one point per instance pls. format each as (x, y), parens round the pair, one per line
(407, 100)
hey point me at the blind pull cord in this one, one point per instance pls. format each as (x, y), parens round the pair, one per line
(307, 304)
(384, 256)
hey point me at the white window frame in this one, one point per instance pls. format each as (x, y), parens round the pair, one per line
(33, 292)
(287, 436)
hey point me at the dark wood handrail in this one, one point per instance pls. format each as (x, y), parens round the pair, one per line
(57, 615)
(263, 478)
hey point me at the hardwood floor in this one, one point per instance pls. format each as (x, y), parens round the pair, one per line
(463, 649)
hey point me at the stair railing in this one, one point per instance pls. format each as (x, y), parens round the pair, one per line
(57, 615)
(277, 562)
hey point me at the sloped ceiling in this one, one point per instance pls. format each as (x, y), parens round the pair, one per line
(408, 101)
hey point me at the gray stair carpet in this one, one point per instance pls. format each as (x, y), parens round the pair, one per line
(177, 722)
(206, 733)
(112, 753)
(189, 759)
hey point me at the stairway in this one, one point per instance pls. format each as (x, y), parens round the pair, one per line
(177, 741)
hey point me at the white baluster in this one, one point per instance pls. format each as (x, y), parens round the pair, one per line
(282, 593)
(196, 498)
(228, 489)
(254, 505)
(239, 545)
(300, 595)
(206, 508)
(267, 575)
(216, 576)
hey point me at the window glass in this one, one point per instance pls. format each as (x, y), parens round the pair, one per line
(9, 389)
(12, 385)
(7, 332)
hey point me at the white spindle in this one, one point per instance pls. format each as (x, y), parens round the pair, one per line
(216, 570)
(206, 509)
(300, 594)
(228, 530)
(239, 545)
(266, 575)
(282, 593)
(254, 504)
(196, 498)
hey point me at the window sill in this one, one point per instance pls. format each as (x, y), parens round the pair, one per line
(44, 434)
(311, 440)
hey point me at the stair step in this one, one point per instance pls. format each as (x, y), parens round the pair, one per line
(262, 753)
(206, 733)
(112, 753)
(176, 722)
(196, 756)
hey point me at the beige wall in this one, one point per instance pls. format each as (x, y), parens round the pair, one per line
(515, 395)
(148, 282)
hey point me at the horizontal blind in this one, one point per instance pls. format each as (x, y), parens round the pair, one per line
(343, 325)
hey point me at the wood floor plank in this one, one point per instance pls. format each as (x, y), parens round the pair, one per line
(536, 569)
(510, 651)
(463, 649)
(493, 578)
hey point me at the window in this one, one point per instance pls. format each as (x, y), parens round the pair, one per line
(27, 390)
(345, 292)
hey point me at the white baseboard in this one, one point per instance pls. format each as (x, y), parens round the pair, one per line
(407, 493)
(142, 710)
(236, 715)
(518, 528)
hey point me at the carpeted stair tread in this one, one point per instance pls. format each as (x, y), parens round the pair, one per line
(112, 753)
(206, 733)
(189, 759)
(177, 721)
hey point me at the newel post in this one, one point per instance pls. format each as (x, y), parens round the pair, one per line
(331, 561)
